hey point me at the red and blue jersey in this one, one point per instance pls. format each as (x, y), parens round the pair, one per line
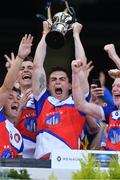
(59, 124)
(11, 142)
(27, 128)
(113, 139)
(113, 134)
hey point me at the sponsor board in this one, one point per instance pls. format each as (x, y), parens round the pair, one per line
(72, 159)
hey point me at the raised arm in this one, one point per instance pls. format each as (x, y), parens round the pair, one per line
(39, 76)
(79, 50)
(110, 49)
(23, 51)
(79, 77)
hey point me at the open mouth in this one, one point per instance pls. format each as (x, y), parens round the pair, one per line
(58, 91)
(26, 77)
(117, 96)
(14, 107)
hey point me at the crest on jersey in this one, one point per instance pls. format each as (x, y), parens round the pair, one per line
(17, 137)
(116, 115)
(6, 154)
(114, 135)
(53, 119)
(30, 124)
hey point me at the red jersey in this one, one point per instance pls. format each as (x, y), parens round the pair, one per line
(113, 139)
(59, 125)
(27, 128)
(11, 143)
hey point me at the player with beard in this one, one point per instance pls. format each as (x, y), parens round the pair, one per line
(11, 143)
(59, 123)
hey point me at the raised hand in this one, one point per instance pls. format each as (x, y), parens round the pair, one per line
(110, 49)
(114, 73)
(25, 98)
(89, 67)
(76, 66)
(77, 27)
(10, 60)
(25, 46)
(46, 28)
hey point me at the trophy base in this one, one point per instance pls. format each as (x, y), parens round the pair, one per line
(55, 40)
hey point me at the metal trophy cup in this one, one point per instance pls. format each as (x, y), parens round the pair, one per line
(61, 24)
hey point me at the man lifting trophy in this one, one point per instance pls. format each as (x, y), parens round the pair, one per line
(60, 25)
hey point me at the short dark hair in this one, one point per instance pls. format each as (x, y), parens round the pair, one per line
(59, 68)
(16, 90)
(28, 58)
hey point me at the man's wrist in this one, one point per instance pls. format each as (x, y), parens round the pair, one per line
(75, 35)
(44, 33)
(20, 57)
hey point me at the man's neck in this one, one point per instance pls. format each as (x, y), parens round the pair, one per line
(24, 88)
(11, 119)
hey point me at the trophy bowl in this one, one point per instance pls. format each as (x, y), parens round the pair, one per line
(55, 40)
(61, 24)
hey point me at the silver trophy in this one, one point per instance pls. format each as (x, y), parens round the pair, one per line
(61, 24)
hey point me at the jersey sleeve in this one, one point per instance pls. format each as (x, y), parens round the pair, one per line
(39, 101)
(107, 111)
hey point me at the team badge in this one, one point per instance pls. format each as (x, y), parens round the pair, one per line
(53, 119)
(114, 135)
(6, 154)
(30, 124)
(116, 115)
(17, 137)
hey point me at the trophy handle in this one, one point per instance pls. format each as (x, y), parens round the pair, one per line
(49, 15)
(68, 8)
(71, 11)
